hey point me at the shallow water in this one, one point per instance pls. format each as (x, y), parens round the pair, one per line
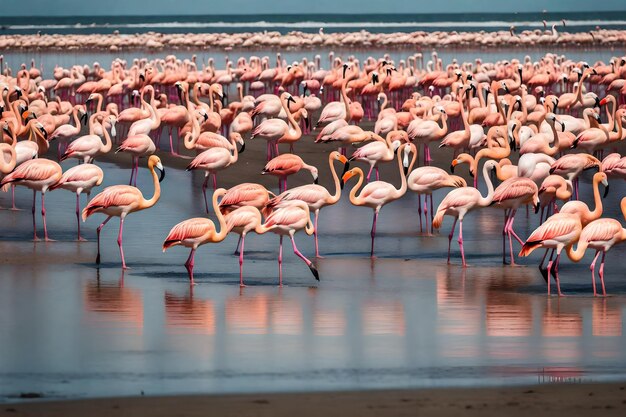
(405, 319)
(48, 60)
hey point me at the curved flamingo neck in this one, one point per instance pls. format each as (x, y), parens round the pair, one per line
(335, 197)
(354, 199)
(296, 133)
(346, 100)
(224, 229)
(157, 191)
(575, 255)
(485, 201)
(7, 167)
(107, 140)
(597, 200)
(554, 149)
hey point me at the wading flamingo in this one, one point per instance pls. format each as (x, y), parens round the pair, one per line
(243, 220)
(197, 231)
(287, 164)
(121, 200)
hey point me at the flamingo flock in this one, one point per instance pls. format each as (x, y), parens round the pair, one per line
(528, 129)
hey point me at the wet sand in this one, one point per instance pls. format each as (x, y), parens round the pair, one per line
(550, 400)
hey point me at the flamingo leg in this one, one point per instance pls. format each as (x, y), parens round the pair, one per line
(304, 258)
(369, 173)
(592, 267)
(189, 265)
(373, 233)
(35, 238)
(80, 238)
(120, 239)
(510, 233)
(461, 242)
(43, 215)
(136, 170)
(426, 211)
(98, 233)
(214, 181)
(601, 274)
(419, 211)
(556, 273)
(506, 220)
(280, 262)
(450, 236)
(204, 186)
(432, 214)
(317, 248)
(377, 174)
(242, 237)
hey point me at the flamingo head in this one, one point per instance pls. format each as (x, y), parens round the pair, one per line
(155, 163)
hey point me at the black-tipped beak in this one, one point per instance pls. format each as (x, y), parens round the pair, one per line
(161, 174)
(471, 173)
(597, 103)
(243, 147)
(537, 207)
(18, 93)
(142, 77)
(179, 91)
(307, 123)
(452, 169)
(314, 272)
(85, 118)
(346, 168)
(89, 100)
(606, 191)
(315, 180)
(345, 68)
(406, 171)
(205, 116)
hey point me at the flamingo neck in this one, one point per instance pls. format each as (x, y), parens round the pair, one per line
(7, 167)
(335, 197)
(575, 255)
(296, 133)
(224, 229)
(597, 211)
(157, 191)
(354, 199)
(485, 201)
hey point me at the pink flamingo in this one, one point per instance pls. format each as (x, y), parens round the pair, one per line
(196, 232)
(287, 164)
(459, 202)
(380, 151)
(243, 220)
(377, 194)
(121, 200)
(78, 179)
(561, 230)
(287, 220)
(601, 235)
(274, 130)
(316, 196)
(38, 175)
(509, 195)
(139, 145)
(571, 165)
(89, 146)
(216, 159)
(425, 180)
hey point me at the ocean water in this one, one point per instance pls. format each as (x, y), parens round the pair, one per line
(575, 21)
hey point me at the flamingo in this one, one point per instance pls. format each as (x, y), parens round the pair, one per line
(459, 202)
(380, 151)
(601, 235)
(316, 196)
(287, 220)
(89, 146)
(425, 180)
(243, 220)
(274, 130)
(288, 164)
(139, 145)
(216, 159)
(195, 232)
(571, 165)
(377, 194)
(38, 175)
(121, 200)
(79, 179)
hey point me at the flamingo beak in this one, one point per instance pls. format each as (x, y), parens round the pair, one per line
(454, 164)
(85, 118)
(243, 147)
(44, 132)
(562, 126)
(307, 123)
(345, 67)
(537, 207)
(161, 171)
(606, 189)
(345, 175)
(343, 159)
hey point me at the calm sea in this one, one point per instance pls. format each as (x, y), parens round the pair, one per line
(575, 22)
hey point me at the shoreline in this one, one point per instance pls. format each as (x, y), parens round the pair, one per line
(567, 399)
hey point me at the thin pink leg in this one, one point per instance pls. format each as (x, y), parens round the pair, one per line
(189, 265)
(432, 213)
(369, 173)
(377, 174)
(43, 215)
(243, 242)
(304, 258)
(592, 267)
(80, 238)
(238, 246)
(214, 181)
(601, 273)
(373, 233)
(119, 241)
(556, 273)
(317, 248)
(98, 233)
(506, 221)
(450, 236)
(280, 262)
(461, 242)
